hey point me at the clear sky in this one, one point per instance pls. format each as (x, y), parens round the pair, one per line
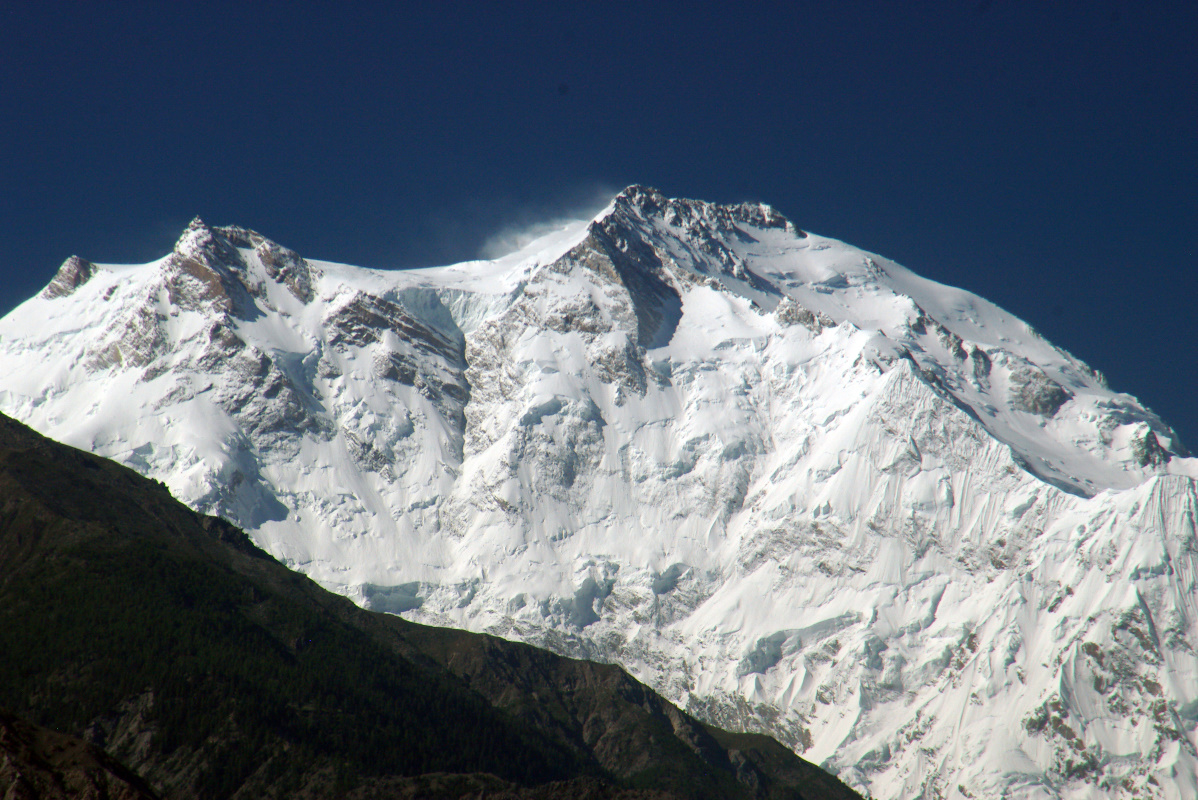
(1043, 155)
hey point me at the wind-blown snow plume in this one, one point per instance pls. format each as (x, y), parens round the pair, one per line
(523, 226)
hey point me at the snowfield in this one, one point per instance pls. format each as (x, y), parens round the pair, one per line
(791, 485)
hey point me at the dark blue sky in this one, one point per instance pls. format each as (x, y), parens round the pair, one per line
(1043, 155)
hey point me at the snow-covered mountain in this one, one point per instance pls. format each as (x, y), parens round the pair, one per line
(792, 485)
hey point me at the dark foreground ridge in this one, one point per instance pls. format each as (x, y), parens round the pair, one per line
(168, 640)
(36, 762)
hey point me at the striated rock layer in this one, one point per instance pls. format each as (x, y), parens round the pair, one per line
(791, 485)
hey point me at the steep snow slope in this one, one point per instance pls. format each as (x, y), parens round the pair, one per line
(790, 484)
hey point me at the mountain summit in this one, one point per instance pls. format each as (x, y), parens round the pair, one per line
(791, 485)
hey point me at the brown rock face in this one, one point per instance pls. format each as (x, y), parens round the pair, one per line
(40, 764)
(286, 267)
(73, 273)
(1036, 393)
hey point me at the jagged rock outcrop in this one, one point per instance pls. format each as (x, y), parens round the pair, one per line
(73, 273)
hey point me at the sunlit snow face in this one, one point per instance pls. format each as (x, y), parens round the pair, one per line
(786, 482)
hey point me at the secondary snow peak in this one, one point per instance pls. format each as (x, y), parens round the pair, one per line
(200, 242)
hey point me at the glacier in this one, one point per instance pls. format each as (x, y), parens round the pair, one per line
(790, 484)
